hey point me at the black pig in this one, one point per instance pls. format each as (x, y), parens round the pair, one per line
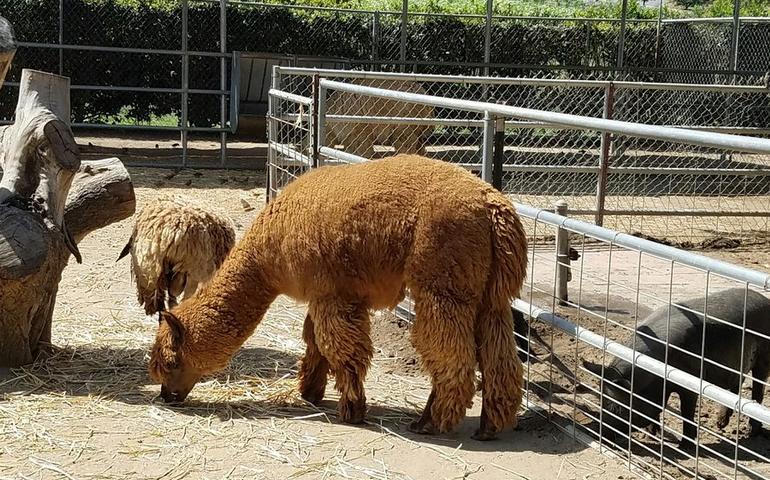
(722, 345)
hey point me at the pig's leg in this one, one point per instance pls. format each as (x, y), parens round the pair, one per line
(761, 371)
(690, 431)
(655, 424)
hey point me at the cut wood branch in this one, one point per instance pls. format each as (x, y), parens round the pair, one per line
(101, 194)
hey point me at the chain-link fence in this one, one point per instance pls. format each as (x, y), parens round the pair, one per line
(173, 69)
(668, 190)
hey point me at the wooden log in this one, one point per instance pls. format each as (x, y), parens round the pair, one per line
(48, 203)
(7, 48)
(102, 194)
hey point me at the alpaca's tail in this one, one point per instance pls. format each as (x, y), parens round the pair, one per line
(501, 369)
(509, 249)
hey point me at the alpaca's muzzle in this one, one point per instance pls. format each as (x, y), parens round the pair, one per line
(172, 396)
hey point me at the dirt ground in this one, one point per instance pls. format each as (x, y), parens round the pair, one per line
(90, 410)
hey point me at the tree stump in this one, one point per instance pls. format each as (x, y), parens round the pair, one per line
(49, 202)
(7, 48)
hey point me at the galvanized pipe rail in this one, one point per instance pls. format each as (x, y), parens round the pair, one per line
(668, 134)
(513, 81)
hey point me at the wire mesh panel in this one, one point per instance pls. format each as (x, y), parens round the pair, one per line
(753, 54)
(379, 125)
(289, 152)
(653, 303)
(713, 41)
(705, 193)
(665, 190)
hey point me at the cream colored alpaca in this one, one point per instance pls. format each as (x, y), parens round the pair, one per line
(174, 248)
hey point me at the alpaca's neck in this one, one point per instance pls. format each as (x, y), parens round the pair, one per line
(224, 314)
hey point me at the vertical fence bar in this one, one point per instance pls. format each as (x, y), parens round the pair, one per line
(404, 22)
(622, 34)
(658, 31)
(735, 37)
(488, 37)
(223, 81)
(185, 81)
(604, 155)
(375, 39)
(61, 37)
(314, 145)
(499, 156)
(488, 147)
(235, 90)
(562, 256)
(272, 135)
(321, 118)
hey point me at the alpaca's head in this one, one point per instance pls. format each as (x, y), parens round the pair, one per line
(168, 363)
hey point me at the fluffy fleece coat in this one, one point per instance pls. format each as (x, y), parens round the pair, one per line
(175, 247)
(348, 239)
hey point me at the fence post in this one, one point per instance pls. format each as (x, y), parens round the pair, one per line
(488, 37)
(736, 37)
(658, 30)
(235, 90)
(499, 159)
(223, 81)
(563, 273)
(314, 145)
(272, 135)
(488, 147)
(404, 21)
(185, 81)
(321, 119)
(622, 34)
(61, 37)
(604, 155)
(375, 39)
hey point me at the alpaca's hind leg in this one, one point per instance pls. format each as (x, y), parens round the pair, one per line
(443, 336)
(314, 371)
(501, 371)
(342, 335)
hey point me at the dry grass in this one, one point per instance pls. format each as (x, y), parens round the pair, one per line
(89, 410)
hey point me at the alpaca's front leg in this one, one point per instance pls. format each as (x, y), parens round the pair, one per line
(342, 336)
(314, 371)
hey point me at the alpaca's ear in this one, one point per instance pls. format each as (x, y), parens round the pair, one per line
(174, 325)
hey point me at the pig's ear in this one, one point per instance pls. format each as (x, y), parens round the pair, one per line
(621, 382)
(594, 368)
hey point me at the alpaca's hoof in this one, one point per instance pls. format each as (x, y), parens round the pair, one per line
(756, 430)
(484, 435)
(314, 396)
(423, 427)
(353, 412)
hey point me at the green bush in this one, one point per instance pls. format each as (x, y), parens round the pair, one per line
(573, 47)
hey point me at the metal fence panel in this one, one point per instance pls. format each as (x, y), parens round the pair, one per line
(650, 319)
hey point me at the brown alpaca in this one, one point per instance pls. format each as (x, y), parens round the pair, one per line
(347, 239)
